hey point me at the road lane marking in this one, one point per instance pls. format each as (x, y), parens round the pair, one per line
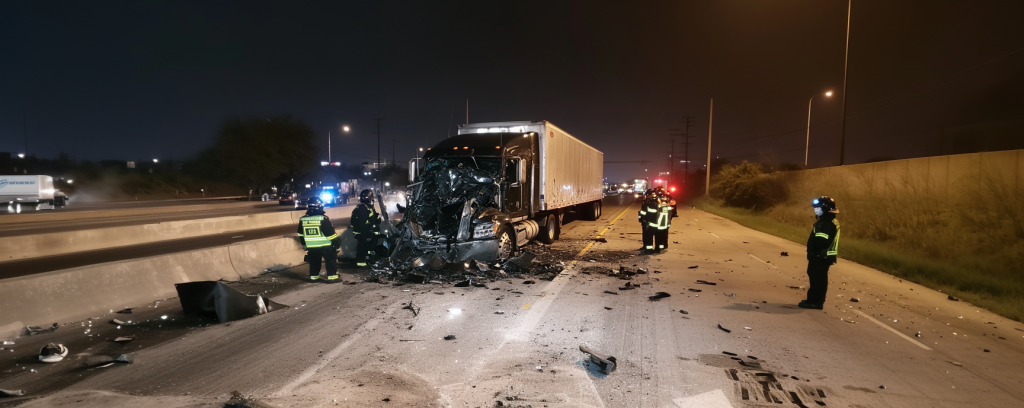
(237, 236)
(762, 261)
(591, 244)
(906, 337)
(330, 356)
(711, 399)
(716, 236)
(526, 306)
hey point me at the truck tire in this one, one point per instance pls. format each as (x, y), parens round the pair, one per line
(549, 233)
(591, 211)
(506, 244)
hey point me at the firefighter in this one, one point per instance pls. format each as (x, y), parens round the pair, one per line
(664, 220)
(822, 251)
(366, 225)
(320, 240)
(648, 217)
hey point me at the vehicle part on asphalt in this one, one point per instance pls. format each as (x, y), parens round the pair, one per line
(658, 296)
(724, 329)
(52, 353)
(216, 298)
(605, 363)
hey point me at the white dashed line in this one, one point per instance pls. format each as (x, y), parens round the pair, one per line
(762, 261)
(917, 343)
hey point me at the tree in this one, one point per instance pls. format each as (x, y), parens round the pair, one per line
(254, 152)
(745, 185)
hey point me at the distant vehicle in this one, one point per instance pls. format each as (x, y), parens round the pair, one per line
(328, 194)
(492, 188)
(613, 190)
(35, 192)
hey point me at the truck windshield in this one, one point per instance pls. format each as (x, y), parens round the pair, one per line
(490, 165)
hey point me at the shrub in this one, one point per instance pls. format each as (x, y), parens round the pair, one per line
(745, 185)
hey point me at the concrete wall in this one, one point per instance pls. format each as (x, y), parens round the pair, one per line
(90, 291)
(57, 243)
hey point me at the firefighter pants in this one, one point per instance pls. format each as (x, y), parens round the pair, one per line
(648, 234)
(817, 273)
(364, 248)
(330, 257)
(660, 239)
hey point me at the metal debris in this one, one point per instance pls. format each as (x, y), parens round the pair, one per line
(607, 308)
(628, 286)
(123, 339)
(105, 359)
(658, 296)
(683, 311)
(528, 282)
(610, 292)
(216, 298)
(704, 282)
(126, 310)
(692, 267)
(855, 300)
(724, 329)
(605, 363)
(449, 337)
(11, 393)
(415, 310)
(784, 253)
(694, 290)
(33, 330)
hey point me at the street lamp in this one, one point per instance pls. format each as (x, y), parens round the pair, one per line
(21, 155)
(156, 160)
(807, 147)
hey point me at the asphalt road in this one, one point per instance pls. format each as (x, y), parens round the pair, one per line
(741, 342)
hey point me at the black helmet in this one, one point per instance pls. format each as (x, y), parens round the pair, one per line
(366, 196)
(315, 205)
(826, 203)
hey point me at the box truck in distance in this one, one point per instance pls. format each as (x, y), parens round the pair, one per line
(35, 192)
(494, 187)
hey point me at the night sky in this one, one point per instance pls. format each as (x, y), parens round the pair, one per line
(138, 80)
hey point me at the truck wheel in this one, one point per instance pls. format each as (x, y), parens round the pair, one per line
(591, 211)
(506, 245)
(550, 232)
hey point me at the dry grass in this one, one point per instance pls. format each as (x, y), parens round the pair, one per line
(968, 241)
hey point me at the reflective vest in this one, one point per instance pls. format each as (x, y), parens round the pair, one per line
(311, 232)
(664, 217)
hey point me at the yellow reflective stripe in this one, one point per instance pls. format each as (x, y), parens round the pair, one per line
(333, 236)
(834, 249)
(821, 234)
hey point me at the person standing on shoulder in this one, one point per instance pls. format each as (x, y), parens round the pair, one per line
(822, 251)
(648, 217)
(320, 240)
(664, 221)
(366, 226)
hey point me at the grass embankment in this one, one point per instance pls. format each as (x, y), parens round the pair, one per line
(998, 288)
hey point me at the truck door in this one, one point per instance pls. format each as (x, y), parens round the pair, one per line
(514, 197)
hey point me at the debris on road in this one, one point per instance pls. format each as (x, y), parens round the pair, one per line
(794, 287)
(607, 308)
(449, 337)
(956, 364)
(33, 330)
(11, 393)
(500, 312)
(694, 290)
(628, 286)
(600, 240)
(953, 298)
(881, 387)
(415, 310)
(610, 292)
(704, 282)
(855, 300)
(126, 310)
(724, 329)
(463, 284)
(241, 401)
(120, 322)
(415, 278)
(106, 360)
(216, 298)
(52, 353)
(784, 253)
(528, 282)
(606, 364)
(683, 311)
(729, 353)
(123, 339)
(692, 267)
(658, 296)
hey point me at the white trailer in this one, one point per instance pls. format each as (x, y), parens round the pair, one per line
(34, 192)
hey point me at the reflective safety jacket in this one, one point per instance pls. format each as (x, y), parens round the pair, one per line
(317, 231)
(655, 214)
(365, 220)
(823, 244)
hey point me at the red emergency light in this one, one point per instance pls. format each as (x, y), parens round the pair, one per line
(672, 189)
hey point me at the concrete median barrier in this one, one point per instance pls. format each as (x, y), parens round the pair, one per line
(59, 243)
(90, 291)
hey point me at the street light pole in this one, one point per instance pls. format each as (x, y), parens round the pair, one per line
(846, 65)
(707, 179)
(807, 147)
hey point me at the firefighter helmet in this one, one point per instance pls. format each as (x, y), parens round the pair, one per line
(315, 205)
(826, 203)
(366, 196)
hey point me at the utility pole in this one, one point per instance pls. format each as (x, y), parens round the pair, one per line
(707, 179)
(328, 146)
(378, 142)
(467, 111)
(24, 126)
(393, 162)
(846, 65)
(687, 122)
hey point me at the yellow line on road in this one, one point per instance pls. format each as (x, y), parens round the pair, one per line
(587, 248)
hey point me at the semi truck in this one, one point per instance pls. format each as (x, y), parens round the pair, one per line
(34, 192)
(493, 187)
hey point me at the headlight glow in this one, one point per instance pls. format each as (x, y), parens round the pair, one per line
(326, 196)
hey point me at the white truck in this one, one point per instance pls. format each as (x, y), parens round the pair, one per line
(495, 186)
(35, 192)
